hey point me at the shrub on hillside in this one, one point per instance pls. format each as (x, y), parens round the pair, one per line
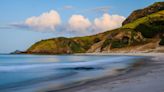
(118, 44)
(146, 30)
(162, 41)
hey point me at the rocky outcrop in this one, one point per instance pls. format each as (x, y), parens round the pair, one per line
(17, 52)
(144, 12)
(95, 47)
(124, 38)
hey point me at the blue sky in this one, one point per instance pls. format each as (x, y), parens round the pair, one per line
(16, 12)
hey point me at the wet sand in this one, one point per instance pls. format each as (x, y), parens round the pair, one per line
(144, 77)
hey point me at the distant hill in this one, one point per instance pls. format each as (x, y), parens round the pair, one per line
(142, 31)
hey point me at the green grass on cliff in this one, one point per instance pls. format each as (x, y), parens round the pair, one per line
(155, 16)
(149, 25)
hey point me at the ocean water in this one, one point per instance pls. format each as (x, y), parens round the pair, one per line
(37, 73)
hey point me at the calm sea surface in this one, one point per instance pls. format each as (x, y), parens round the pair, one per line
(33, 73)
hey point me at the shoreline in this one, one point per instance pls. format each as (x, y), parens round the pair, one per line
(124, 54)
(99, 54)
(106, 84)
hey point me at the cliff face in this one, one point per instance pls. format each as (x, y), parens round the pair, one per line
(142, 31)
(120, 39)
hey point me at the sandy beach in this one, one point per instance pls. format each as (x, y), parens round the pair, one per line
(145, 78)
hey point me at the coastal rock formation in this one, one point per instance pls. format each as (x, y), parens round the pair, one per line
(142, 31)
(124, 38)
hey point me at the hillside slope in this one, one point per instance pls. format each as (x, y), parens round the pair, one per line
(158, 6)
(143, 34)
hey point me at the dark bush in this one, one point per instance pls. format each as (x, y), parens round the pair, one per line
(146, 30)
(125, 40)
(118, 44)
(96, 40)
(162, 41)
(106, 43)
(151, 29)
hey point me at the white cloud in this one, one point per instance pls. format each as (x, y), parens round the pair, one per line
(76, 25)
(108, 22)
(83, 26)
(49, 20)
(79, 23)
